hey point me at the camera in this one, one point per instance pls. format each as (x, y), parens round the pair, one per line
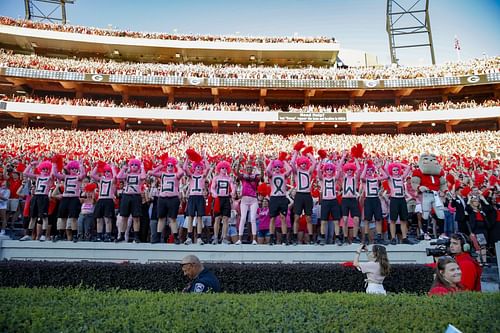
(442, 247)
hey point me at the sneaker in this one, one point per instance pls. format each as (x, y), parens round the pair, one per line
(427, 237)
(75, 239)
(356, 240)
(311, 242)
(254, 242)
(137, 240)
(381, 241)
(394, 241)
(25, 238)
(238, 242)
(322, 242)
(188, 241)
(408, 241)
(177, 241)
(199, 241)
(2, 232)
(339, 242)
(215, 241)
(119, 239)
(42, 238)
(225, 242)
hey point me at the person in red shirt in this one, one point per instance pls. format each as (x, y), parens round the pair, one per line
(447, 277)
(471, 271)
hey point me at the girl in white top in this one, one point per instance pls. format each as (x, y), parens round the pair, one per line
(376, 269)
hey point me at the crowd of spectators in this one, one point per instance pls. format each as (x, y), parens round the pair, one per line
(234, 71)
(159, 35)
(115, 145)
(227, 106)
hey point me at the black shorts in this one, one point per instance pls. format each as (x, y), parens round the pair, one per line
(398, 208)
(69, 207)
(350, 205)
(39, 206)
(330, 207)
(196, 205)
(104, 208)
(373, 209)
(278, 205)
(168, 207)
(131, 204)
(303, 203)
(224, 207)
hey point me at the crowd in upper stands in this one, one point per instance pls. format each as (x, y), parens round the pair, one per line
(234, 71)
(226, 106)
(160, 35)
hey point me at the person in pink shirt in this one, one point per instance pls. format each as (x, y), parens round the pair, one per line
(303, 168)
(328, 178)
(104, 211)
(350, 195)
(263, 234)
(249, 179)
(223, 189)
(372, 207)
(196, 201)
(39, 204)
(398, 208)
(168, 197)
(134, 176)
(69, 207)
(278, 171)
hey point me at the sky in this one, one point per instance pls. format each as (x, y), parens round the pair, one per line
(355, 24)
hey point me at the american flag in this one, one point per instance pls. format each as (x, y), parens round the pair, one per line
(457, 44)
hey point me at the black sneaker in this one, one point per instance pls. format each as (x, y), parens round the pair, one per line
(107, 238)
(137, 240)
(177, 241)
(339, 242)
(119, 239)
(356, 240)
(322, 242)
(394, 241)
(408, 241)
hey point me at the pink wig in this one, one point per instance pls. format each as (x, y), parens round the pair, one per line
(45, 165)
(134, 161)
(370, 165)
(349, 166)
(392, 166)
(277, 164)
(329, 166)
(223, 164)
(300, 160)
(198, 164)
(73, 165)
(107, 167)
(171, 160)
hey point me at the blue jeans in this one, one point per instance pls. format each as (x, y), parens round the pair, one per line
(449, 223)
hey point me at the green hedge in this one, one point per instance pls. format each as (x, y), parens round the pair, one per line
(234, 278)
(85, 310)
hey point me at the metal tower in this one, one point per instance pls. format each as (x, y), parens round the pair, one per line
(46, 10)
(408, 26)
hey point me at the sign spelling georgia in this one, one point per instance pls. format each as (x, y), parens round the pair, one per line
(312, 116)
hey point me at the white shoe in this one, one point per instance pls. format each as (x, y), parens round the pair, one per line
(26, 238)
(188, 241)
(215, 241)
(42, 238)
(199, 241)
(2, 232)
(254, 242)
(238, 242)
(427, 237)
(225, 242)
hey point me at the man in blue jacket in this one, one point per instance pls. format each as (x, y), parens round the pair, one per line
(202, 280)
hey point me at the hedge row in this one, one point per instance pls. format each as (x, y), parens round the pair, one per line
(234, 278)
(83, 310)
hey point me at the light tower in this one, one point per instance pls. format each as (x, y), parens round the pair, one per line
(43, 10)
(408, 26)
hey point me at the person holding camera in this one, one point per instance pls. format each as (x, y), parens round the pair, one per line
(447, 277)
(376, 269)
(471, 271)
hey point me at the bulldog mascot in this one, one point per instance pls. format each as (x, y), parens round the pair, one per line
(429, 179)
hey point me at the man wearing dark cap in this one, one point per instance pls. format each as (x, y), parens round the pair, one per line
(202, 280)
